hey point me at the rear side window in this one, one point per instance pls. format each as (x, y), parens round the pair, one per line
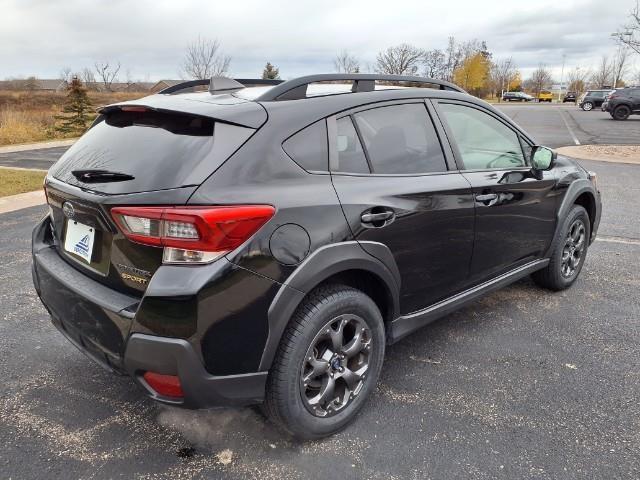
(308, 148)
(351, 158)
(401, 139)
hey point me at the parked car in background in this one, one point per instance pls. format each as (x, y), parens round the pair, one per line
(623, 102)
(593, 98)
(516, 97)
(545, 96)
(570, 97)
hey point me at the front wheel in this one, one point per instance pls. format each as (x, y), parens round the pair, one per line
(327, 364)
(587, 106)
(568, 252)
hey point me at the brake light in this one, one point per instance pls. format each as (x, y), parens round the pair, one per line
(165, 385)
(192, 234)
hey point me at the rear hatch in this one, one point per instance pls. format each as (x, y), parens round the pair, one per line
(155, 151)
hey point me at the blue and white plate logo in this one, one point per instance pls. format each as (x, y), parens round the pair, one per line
(79, 240)
(82, 247)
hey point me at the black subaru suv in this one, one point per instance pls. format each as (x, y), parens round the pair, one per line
(263, 245)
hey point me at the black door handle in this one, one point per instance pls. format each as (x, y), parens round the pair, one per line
(377, 217)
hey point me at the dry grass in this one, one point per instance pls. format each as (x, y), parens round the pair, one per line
(13, 181)
(30, 116)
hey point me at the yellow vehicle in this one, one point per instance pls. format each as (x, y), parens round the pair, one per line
(545, 96)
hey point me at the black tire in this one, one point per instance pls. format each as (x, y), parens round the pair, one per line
(587, 106)
(287, 381)
(621, 112)
(556, 276)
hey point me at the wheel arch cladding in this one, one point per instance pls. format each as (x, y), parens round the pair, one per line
(346, 262)
(579, 191)
(588, 201)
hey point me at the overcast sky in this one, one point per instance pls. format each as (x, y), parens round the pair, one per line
(40, 37)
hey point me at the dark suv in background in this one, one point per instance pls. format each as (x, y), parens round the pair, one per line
(592, 99)
(623, 102)
(263, 245)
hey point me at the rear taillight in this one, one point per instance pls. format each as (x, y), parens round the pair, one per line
(192, 234)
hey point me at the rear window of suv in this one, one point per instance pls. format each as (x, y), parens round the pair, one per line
(161, 150)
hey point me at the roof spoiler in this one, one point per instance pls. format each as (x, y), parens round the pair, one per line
(361, 82)
(217, 85)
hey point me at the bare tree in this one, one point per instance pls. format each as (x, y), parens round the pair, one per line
(453, 55)
(578, 79)
(630, 36)
(540, 78)
(203, 59)
(65, 74)
(402, 59)
(345, 62)
(435, 65)
(88, 78)
(602, 76)
(107, 74)
(503, 73)
(620, 65)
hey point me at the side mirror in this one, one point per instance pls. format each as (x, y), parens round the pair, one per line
(542, 158)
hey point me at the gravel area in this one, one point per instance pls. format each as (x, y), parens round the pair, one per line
(604, 153)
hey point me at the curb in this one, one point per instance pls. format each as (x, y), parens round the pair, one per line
(584, 152)
(37, 146)
(21, 200)
(5, 167)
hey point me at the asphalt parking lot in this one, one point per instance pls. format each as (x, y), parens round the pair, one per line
(521, 384)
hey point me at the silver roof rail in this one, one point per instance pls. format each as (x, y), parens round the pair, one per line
(217, 85)
(361, 82)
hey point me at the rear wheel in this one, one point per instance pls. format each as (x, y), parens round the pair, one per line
(621, 112)
(587, 106)
(568, 252)
(327, 364)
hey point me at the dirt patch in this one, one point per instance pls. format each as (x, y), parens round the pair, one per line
(604, 153)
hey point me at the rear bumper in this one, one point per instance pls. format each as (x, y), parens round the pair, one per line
(98, 321)
(173, 356)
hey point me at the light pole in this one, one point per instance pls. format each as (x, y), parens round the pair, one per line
(564, 57)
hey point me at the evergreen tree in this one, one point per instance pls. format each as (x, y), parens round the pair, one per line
(76, 113)
(270, 72)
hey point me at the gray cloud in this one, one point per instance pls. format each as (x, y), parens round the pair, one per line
(40, 37)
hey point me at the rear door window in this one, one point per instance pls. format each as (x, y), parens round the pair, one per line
(401, 139)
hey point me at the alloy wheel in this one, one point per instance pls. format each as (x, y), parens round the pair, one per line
(573, 249)
(335, 365)
(587, 106)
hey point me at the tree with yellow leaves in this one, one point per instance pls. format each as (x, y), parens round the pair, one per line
(473, 74)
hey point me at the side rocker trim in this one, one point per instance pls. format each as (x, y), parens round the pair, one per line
(406, 324)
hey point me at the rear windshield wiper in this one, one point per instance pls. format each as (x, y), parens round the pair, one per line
(101, 176)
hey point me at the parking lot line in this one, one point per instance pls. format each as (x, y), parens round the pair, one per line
(564, 119)
(625, 240)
